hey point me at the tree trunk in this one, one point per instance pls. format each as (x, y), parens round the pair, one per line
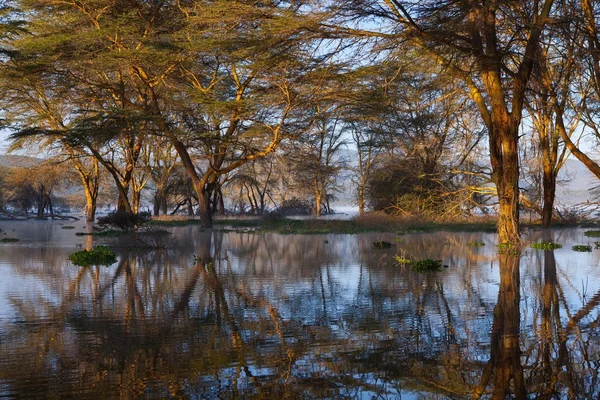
(361, 200)
(90, 205)
(549, 188)
(204, 209)
(504, 158)
(123, 203)
(135, 201)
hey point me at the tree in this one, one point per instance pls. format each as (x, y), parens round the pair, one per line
(490, 48)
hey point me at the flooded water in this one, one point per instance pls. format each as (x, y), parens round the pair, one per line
(243, 315)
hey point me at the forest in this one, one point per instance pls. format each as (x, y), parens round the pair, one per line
(433, 110)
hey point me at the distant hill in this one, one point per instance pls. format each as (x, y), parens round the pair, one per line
(11, 160)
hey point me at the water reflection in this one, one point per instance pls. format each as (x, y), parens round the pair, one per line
(266, 316)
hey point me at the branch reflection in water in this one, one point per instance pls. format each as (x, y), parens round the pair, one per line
(270, 316)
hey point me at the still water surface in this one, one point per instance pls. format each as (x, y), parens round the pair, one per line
(243, 315)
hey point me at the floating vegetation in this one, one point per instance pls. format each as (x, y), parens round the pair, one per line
(592, 233)
(99, 255)
(597, 245)
(585, 248)
(399, 240)
(326, 241)
(507, 248)
(67, 227)
(475, 244)
(381, 245)
(9, 240)
(545, 246)
(427, 265)
(402, 260)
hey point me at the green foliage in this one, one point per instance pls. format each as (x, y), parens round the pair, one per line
(592, 233)
(9, 240)
(584, 248)
(124, 221)
(597, 245)
(381, 245)
(545, 246)
(475, 244)
(507, 248)
(67, 227)
(427, 265)
(99, 255)
(401, 260)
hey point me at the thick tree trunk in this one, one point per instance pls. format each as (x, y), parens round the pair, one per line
(204, 209)
(90, 205)
(549, 189)
(504, 158)
(135, 201)
(123, 204)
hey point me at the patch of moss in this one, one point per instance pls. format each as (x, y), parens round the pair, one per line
(545, 246)
(475, 244)
(427, 265)
(99, 255)
(584, 248)
(381, 245)
(9, 240)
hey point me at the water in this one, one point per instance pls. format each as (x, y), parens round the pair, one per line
(243, 315)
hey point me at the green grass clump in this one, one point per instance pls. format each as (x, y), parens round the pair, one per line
(586, 248)
(67, 227)
(9, 240)
(597, 245)
(381, 245)
(99, 255)
(475, 244)
(592, 233)
(545, 246)
(402, 260)
(427, 265)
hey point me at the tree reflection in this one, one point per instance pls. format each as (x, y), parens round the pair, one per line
(269, 316)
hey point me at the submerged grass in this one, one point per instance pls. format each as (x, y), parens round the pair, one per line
(545, 246)
(584, 248)
(427, 265)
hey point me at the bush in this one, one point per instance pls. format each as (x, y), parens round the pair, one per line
(99, 255)
(294, 206)
(427, 265)
(545, 246)
(582, 248)
(124, 220)
(381, 245)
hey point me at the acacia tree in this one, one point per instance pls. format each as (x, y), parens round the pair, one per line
(490, 48)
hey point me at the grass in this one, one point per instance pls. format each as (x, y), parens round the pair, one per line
(402, 260)
(106, 233)
(584, 248)
(427, 265)
(545, 246)
(475, 244)
(592, 233)
(67, 227)
(9, 240)
(99, 255)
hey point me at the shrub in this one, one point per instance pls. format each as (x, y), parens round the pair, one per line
(381, 245)
(427, 265)
(582, 248)
(545, 246)
(124, 220)
(99, 255)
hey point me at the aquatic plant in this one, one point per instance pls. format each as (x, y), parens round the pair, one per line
(545, 246)
(427, 265)
(592, 233)
(9, 240)
(401, 260)
(475, 244)
(507, 248)
(99, 255)
(582, 248)
(381, 245)
(67, 227)
(597, 245)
